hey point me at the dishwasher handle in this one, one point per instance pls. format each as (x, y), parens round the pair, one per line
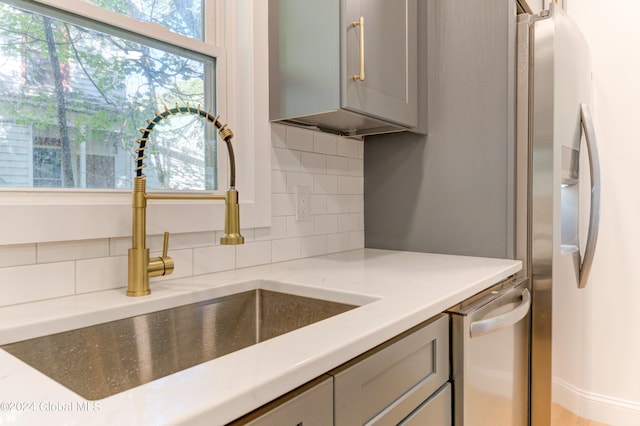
(489, 325)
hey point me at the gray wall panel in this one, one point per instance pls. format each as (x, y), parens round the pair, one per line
(452, 190)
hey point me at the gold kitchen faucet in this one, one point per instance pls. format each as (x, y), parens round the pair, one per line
(141, 266)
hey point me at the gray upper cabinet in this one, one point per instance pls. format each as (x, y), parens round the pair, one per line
(344, 66)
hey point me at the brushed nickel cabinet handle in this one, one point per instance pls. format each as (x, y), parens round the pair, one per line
(360, 24)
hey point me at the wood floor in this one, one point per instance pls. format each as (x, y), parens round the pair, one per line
(563, 417)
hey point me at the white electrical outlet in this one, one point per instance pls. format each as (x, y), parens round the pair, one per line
(303, 201)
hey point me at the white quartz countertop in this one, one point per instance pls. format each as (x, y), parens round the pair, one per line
(397, 290)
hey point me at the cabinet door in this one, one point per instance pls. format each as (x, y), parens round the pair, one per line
(436, 411)
(390, 87)
(384, 387)
(309, 405)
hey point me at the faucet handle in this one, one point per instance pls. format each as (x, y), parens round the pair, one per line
(165, 245)
(164, 265)
(169, 265)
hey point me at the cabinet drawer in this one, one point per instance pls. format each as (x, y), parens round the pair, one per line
(436, 411)
(386, 384)
(309, 405)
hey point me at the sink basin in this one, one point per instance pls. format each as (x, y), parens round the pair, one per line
(105, 359)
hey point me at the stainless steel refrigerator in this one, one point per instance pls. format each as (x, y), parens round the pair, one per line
(559, 186)
(508, 168)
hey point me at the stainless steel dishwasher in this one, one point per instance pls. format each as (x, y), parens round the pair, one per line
(490, 356)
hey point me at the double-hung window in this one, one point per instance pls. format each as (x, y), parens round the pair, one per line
(79, 78)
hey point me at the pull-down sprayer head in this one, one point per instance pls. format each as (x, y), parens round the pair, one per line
(232, 209)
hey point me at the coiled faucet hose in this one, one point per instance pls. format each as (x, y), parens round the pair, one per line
(225, 133)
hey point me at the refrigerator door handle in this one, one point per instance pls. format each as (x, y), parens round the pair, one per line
(594, 214)
(489, 325)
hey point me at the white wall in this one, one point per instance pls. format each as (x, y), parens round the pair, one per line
(607, 387)
(332, 168)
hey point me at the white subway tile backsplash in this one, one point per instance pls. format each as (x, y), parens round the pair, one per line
(278, 181)
(313, 163)
(356, 204)
(356, 167)
(361, 221)
(348, 185)
(337, 204)
(261, 234)
(156, 241)
(101, 274)
(191, 240)
(318, 204)
(296, 179)
(351, 148)
(332, 168)
(325, 184)
(277, 230)
(119, 246)
(278, 135)
(314, 246)
(299, 228)
(326, 224)
(283, 204)
(299, 139)
(356, 240)
(325, 143)
(348, 222)
(207, 260)
(285, 159)
(17, 255)
(21, 284)
(337, 242)
(287, 249)
(72, 250)
(337, 165)
(249, 234)
(253, 254)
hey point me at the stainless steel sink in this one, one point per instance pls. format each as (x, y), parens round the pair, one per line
(104, 359)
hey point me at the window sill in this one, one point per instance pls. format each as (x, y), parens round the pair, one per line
(70, 216)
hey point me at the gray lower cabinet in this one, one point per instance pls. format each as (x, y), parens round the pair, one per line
(403, 381)
(309, 405)
(385, 385)
(435, 411)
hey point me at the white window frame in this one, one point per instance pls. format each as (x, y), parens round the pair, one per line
(240, 46)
